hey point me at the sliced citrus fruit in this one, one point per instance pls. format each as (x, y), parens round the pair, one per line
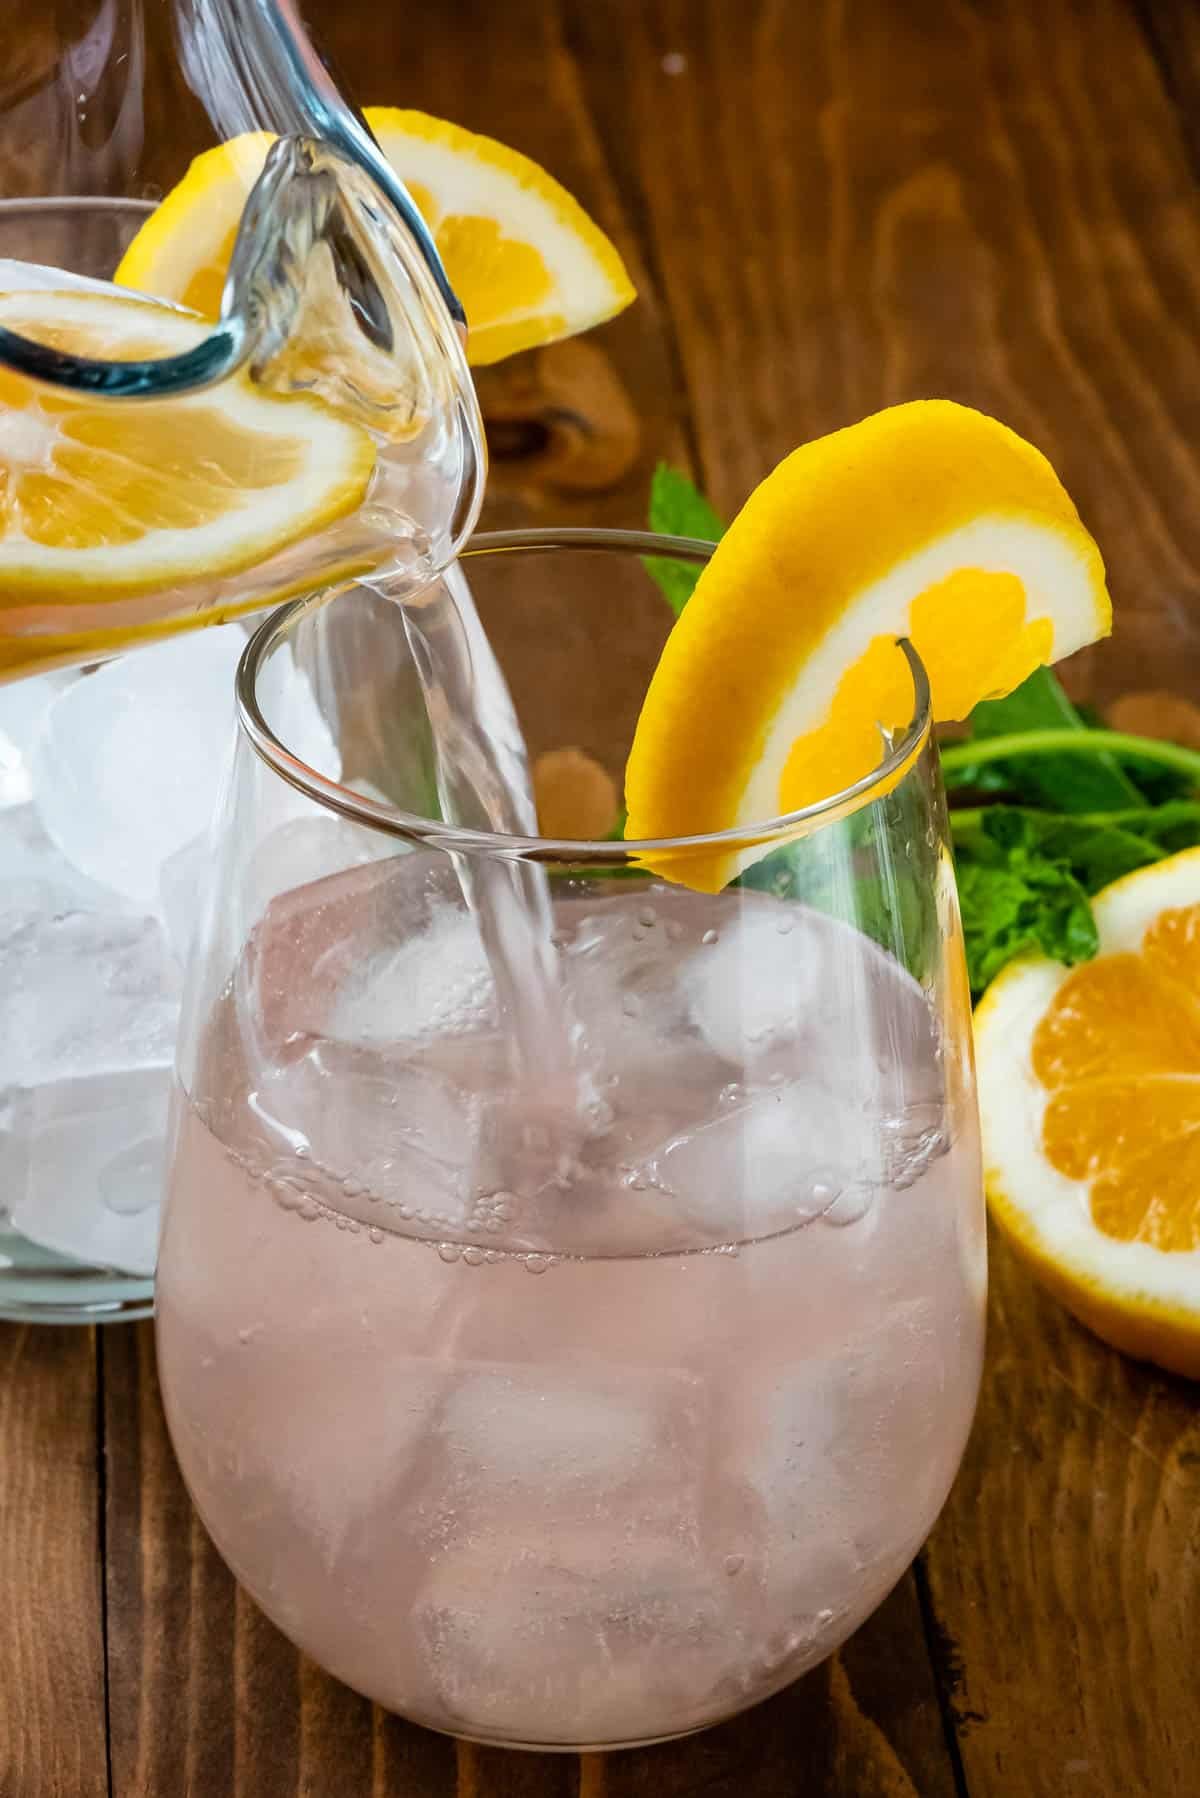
(182, 251)
(928, 521)
(100, 501)
(1089, 1086)
(524, 258)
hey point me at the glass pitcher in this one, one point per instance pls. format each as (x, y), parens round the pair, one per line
(334, 289)
(334, 292)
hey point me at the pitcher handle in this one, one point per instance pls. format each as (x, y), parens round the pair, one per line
(254, 67)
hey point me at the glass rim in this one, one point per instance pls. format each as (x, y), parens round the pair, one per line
(378, 815)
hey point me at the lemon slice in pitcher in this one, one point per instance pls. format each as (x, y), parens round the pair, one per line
(524, 258)
(782, 675)
(101, 501)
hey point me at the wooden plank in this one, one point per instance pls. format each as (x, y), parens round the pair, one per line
(52, 1734)
(1173, 30)
(206, 1695)
(1066, 1568)
(611, 404)
(853, 203)
(499, 1773)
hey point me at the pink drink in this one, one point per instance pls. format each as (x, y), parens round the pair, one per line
(653, 1484)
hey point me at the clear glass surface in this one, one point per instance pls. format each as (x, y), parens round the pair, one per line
(571, 1289)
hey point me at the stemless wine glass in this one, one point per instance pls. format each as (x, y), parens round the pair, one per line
(570, 1298)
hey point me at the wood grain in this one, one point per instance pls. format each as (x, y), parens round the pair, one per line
(866, 203)
(826, 208)
(52, 1736)
(526, 88)
(206, 1695)
(1173, 32)
(1066, 1568)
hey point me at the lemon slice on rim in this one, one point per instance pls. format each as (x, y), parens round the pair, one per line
(928, 521)
(1089, 1090)
(524, 258)
(101, 501)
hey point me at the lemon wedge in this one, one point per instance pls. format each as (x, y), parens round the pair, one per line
(781, 677)
(1089, 1091)
(524, 258)
(101, 501)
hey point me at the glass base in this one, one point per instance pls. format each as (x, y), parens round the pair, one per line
(516, 1747)
(519, 1745)
(38, 1286)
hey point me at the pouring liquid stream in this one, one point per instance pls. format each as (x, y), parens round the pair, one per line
(484, 784)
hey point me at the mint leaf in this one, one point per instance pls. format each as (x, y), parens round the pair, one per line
(1021, 905)
(1098, 848)
(679, 509)
(1175, 825)
(1072, 783)
(1095, 853)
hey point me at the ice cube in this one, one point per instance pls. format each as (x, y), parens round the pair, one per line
(779, 1158)
(620, 958)
(785, 991)
(530, 1432)
(434, 983)
(422, 971)
(182, 887)
(623, 971)
(23, 706)
(573, 1571)
(35, 877)
(759, 984)
(396, 1128)
(306, 849)
(570, 1633)
(82, 1165)
(130, 758)
(84, 993)
(291, 855)
(791, 1457)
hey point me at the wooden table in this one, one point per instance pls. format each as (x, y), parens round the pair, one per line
(828, 205)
